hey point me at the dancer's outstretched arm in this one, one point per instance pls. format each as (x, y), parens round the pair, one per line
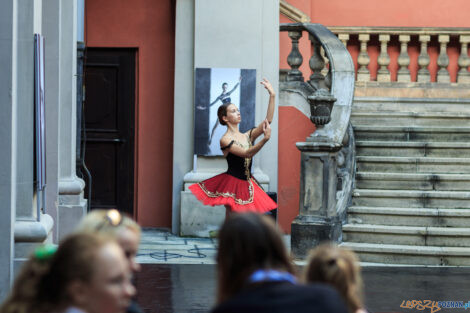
(235, 87)
(227, 144)
(270, 112)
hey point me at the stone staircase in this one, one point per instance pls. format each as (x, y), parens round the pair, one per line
(411, 202)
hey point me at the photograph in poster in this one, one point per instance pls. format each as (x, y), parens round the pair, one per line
(213, 87)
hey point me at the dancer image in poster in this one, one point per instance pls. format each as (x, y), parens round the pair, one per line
(236, 188)
(225, 98)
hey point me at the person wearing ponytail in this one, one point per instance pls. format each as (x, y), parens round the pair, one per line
(255, 273)
(237, 189)
(338, 267)
(87, 274)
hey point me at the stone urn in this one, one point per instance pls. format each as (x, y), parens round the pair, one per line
(321, 105)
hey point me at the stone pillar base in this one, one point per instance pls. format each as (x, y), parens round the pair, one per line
(307, 232)
(72, 206)
(201, 220)
(197, 219)
(29, 235)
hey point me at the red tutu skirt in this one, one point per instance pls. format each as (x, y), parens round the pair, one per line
(241, 195)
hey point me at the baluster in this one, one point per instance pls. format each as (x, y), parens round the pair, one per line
(363, 59)
(404, 59)
(423, 60)
(344, 39)
(294, 59)
(383, 74)
(464, 61)
(317, 63)
(443, 60)
(326, 70)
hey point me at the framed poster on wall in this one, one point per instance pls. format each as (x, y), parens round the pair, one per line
(214, 87)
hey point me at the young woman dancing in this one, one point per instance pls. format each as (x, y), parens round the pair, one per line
(236, 188)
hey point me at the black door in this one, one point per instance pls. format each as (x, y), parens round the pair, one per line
(109, 127)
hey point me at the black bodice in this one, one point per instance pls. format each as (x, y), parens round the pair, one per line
(239, 167)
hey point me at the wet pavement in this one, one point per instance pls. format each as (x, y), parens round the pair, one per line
(178, 276)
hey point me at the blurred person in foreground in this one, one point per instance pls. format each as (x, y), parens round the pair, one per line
(255, 272)
(338, 267)
(121, 228)
(87, 274)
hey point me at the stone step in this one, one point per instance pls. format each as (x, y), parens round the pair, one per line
(411, 198)
(451, 119)
(406, 133)
(409, 216)
(413, 149)
(416, 181)
(407, 235)
(412, 164)
(409, 254)
(389, 104)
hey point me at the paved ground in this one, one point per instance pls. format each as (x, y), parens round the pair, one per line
(178, 276)
(162, 247)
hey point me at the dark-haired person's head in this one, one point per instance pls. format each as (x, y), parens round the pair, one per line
(248, 242)
(228, 113)
(224, 87)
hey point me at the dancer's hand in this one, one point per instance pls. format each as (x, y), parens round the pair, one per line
(266, 130)
(268, 86)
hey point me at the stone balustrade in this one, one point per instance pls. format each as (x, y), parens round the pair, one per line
(327, 155)
(411, 54)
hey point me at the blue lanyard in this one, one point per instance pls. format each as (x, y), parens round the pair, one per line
(271, 275)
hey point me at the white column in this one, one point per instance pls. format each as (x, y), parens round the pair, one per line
(8, 39)
(72, 206)
(20, 227)
(51, 31)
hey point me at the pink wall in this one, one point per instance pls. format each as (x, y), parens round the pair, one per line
(147, 25)
(407, 13)
(293, 126)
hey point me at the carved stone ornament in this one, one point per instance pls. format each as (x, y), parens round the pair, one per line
(321, 105)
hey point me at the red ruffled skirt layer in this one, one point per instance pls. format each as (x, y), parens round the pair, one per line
(241, 195)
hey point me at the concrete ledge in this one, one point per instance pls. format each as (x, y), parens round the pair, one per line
(197, 219)
(424, 129)
(33, 231)
(71, 187)
(411, 90)
(412, 194)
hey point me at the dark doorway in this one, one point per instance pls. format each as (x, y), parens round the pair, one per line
(109, 127)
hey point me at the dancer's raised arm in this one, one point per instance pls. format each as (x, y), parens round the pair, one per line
(270, 112)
